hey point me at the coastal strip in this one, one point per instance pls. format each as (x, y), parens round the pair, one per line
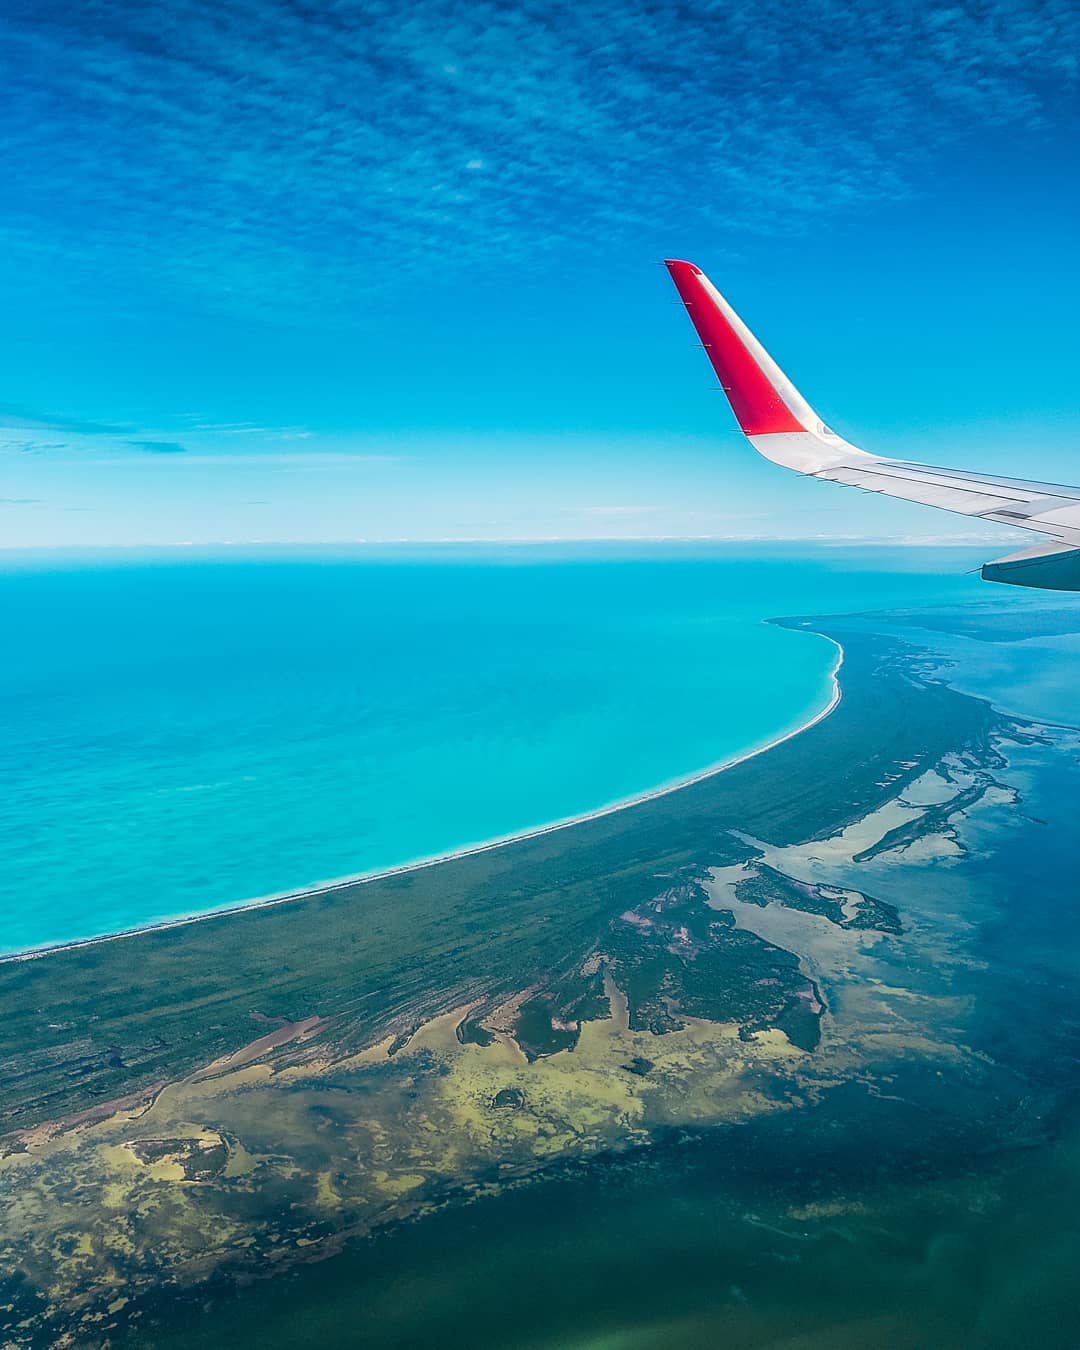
(466, 851)
(110, 1018)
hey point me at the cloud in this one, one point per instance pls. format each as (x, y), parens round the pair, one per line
(159, 447)
(300, 155)
(22, 419)
(289, 433)
(28, 445)
(19, 501)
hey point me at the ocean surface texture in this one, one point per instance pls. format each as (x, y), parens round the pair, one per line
(184, 733)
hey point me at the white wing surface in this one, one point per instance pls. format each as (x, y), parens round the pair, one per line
(781, 425)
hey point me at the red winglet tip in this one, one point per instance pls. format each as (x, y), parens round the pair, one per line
(756, 402)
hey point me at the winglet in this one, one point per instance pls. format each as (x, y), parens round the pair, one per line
(763, 399)
(780, 425)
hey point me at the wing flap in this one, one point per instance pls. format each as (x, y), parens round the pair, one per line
(1016, 504)
(969, 501)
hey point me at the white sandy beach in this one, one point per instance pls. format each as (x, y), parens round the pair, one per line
(468, 850)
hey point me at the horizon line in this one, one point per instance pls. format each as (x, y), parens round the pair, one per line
(884, 540)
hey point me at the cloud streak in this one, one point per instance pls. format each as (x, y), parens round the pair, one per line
(22, 419)
(159, 447)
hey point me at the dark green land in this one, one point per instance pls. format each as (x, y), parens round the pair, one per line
(776, 1059)
(96, 1023)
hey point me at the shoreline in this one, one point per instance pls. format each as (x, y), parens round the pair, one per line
(466, 851)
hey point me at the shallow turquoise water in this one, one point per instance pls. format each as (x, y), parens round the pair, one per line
(183, 733)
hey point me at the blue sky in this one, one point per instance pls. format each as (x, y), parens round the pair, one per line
(335, 271)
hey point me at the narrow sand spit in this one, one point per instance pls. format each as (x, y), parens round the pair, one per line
(467, 851)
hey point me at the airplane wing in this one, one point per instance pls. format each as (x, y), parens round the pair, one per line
(781, 425)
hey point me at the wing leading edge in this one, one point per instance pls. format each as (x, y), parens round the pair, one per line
(781, 425)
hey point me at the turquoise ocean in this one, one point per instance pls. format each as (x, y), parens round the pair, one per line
(184, 731)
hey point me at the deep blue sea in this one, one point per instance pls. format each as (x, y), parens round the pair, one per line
(182, 732)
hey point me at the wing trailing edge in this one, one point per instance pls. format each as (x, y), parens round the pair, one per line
(782, 426)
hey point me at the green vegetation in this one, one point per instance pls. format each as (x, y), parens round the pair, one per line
(224, 1097)
(764, 885)
(92, 1024)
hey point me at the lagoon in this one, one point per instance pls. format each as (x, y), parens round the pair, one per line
(185, 731)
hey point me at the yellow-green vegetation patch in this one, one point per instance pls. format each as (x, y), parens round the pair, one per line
(617, 992)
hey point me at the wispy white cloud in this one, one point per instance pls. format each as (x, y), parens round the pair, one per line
(266, 152)
(250, 429)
